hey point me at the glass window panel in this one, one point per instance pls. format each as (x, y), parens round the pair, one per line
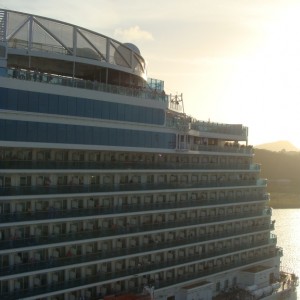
(70, 134)
(148, 116)
(61, 133)
(11, 130)
(135, 114)
(88, 108)
(23, 100)
(142, 114)
(79, 136)
(12, 101)
(80, 107)
(33, 102)
(51, 129)
(88, 135)
(97, 107)
(43, 103)
(42, 136)
(3, 98)
(32, 132)
(21, 128)
(105, 110)
(53, 104)
(121, 111)
(113, 111)
(63, 105)
(112, 136)
(72, 105)
(127, 113)
(3, 129)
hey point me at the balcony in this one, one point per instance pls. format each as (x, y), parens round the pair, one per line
(101, 278)
(134, 165)
(95, 235)
(51, 214)
(110, 188)
(102, 256)
(34, 76)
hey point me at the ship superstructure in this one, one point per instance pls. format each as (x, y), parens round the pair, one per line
(108, 190)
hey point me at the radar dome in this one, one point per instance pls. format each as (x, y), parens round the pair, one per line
(133, 48)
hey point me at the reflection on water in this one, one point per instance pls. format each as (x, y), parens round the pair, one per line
(287, 228)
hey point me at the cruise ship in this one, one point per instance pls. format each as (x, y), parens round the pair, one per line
(109, 190)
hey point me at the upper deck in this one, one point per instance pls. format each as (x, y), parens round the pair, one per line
(37, 43)
(41, 50)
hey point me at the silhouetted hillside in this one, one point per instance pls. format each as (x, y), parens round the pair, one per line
(278, 165)
(282, 169)
(278, 146)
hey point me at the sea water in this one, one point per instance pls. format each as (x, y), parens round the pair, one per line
(287, 229)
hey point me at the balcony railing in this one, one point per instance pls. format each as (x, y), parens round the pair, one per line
(120, 209)
(100, 256)
(130, 187)
(64, 286)
(95, 235)
(140, 92)
(94, 165)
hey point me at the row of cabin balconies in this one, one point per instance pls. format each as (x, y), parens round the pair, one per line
(125, 178)
(28, 210)
(160, 273)
(37, 157)
(53, 184)
(90, 253)
(160, 198)
(37, 235)
(69, 165)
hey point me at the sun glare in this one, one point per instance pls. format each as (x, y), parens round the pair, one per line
(267, 83)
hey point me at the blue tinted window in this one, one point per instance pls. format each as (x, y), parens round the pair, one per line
(3, 130)
(42, 134)
(79, 135)
(148, 116)
(3, 98)
(23, 100)
(43, 103)
(113, 111)
(53, 104)
(105, 110)
(71, 103)
(89, 108)
(32, 132)
(11, 130)
(70, 134)
(63, 105)
(61, 133)
(33, 102)
(128, 113)
(21, 130)
(80, 107)
(121, 112)
(142, 114)
(12, 100)
(97, 109)
(51, 129)
(88, 135)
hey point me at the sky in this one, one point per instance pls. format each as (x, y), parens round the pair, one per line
(234, 61)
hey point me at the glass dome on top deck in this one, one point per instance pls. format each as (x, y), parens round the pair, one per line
(36, 42)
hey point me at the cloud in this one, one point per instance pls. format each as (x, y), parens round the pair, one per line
(134, 33)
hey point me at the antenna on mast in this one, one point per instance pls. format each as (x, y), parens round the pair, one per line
(176, 102)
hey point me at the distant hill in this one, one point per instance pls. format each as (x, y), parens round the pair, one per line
(282, 169)
(278, 146)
